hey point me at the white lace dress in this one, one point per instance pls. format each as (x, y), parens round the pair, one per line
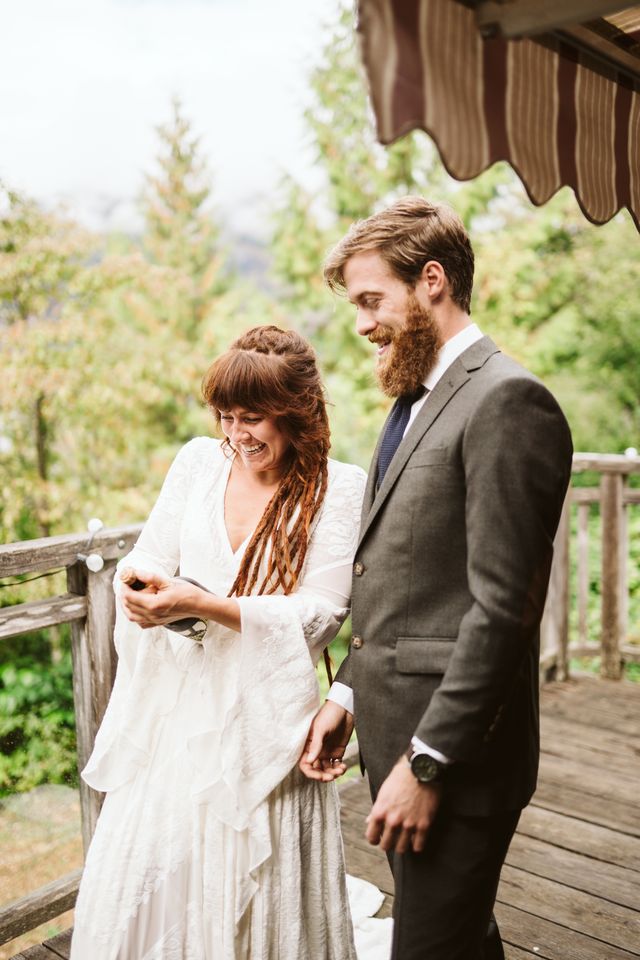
(211, 845)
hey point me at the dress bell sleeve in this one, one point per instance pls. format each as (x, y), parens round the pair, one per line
(147, 672)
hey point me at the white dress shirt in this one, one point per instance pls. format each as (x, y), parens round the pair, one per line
(340, 693)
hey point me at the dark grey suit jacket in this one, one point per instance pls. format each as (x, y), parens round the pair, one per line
(450, 580)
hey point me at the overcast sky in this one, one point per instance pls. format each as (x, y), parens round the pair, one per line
(84, 82)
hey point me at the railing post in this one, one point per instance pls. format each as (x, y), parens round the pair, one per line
(624, 572)
(583, 574)
(613, 574)
(554, 629)
(94, 662)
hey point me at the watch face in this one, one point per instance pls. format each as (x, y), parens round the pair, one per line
(425, 768)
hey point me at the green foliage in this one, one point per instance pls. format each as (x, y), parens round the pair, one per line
(37, 730)
(558, 294)
(632, 672)
(40, 256)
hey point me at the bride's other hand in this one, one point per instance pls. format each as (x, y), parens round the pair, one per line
(161, 601)
(328, 737)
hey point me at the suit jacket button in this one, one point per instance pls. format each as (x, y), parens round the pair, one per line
(357, 642)
(358, 568)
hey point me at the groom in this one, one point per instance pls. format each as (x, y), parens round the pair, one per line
(449, 582)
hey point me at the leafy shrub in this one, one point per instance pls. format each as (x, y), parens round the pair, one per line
(37, 726)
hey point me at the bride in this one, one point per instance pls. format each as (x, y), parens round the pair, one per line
(211, 844)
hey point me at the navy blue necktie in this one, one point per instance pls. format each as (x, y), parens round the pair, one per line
(394, 431)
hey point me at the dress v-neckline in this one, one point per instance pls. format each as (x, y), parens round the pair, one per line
(223, 520)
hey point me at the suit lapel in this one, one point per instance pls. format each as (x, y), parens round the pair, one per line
(453, 380)
(370, 488)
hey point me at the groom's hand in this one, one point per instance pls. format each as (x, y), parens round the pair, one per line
(328, 737)
(403, 812)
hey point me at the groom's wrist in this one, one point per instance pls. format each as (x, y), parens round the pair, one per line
(341, 694)
(419, 746)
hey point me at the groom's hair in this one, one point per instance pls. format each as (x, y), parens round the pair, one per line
(406, 235)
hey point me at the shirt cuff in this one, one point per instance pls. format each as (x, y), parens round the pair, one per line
(420, 747)
(341, 694)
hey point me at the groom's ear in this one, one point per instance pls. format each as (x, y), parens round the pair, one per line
(433, 280)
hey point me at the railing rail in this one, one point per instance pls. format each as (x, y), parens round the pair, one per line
(88, 606)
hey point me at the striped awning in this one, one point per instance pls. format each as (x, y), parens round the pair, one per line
(562, 107)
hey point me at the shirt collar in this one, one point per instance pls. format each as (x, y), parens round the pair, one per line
(450, 351)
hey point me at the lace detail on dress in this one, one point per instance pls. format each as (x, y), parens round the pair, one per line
(340, 513)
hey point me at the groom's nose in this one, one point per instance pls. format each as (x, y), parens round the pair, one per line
(365, 322)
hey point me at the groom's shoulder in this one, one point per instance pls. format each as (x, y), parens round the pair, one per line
(502, 372)
(505, 389)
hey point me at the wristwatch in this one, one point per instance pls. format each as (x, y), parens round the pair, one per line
(425, 768)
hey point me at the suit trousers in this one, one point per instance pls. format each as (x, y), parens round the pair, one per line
(444, 896)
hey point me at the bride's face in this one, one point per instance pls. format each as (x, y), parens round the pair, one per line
(261, 444)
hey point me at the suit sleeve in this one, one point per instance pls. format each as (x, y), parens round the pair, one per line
(517, 461)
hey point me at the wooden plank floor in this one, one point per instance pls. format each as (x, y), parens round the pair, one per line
(570, 888)
(54, 949)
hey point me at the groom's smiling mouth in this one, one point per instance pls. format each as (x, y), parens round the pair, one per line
(381, 342)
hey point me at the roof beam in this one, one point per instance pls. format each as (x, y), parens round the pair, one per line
(522, 18)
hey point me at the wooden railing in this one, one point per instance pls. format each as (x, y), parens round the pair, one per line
(88, 607)
(613, 498)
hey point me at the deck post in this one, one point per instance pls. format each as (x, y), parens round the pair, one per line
(612, 511)
(94, 662)
(583, 574)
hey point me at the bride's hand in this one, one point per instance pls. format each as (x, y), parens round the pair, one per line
(329, 735)
(162, 600)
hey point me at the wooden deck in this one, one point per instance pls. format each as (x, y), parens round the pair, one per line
(570, 889)
(52, 949)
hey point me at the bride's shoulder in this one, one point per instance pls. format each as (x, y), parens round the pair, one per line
(202, 451)
(345, 477)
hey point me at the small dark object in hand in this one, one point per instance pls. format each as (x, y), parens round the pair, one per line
(192, 627)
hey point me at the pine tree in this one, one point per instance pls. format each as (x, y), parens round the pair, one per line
(180, 232)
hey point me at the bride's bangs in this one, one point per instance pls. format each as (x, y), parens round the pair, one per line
(245, 379)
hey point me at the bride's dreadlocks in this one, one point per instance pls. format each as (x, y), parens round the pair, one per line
(273, 372)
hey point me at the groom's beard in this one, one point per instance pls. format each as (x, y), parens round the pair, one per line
(412, 352)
